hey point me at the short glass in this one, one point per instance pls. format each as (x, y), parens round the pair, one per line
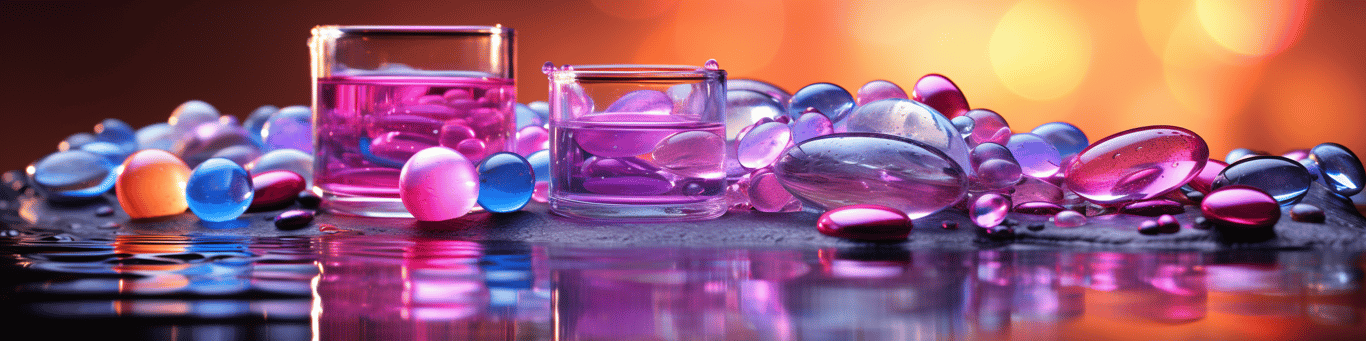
(637, 142)
(383, 93)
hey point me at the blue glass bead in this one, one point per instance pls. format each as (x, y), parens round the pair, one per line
(505, 182)
(110, 151)
(73, 174)
(1036, 156)
(912, 120)
(158, 136)
(541, 108)
(218, 190)
(292, 128)
(115, 131)
(829, 99)
(1339, 168)
(1284, 179)
(540, 165)
(964, 124)
(257, 120)
(75, 141)
(1067, 138)
(527, 117)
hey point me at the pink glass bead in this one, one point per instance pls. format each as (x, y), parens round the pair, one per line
(1297, 154)
(766, 194)
(692, 153)
(275, 189)
(1069, 218)
(438, 184)
(994, 166)
(472, 149)
(940, 93)
(879, 90)
(454, 131)
(1168, 224)
(542, 192)
(1241, 206)
(811, 124)
(1036, 156)
(623, 176)
(761, 146)
(643, 101)
(613, 142)
(531, 139)
(1038, 208)
(1203, 180)
(912, 120)
(1152, 208)
(1137, 164)
(988, 126)
(990, 210)
(844, 169)
(399, 146)
(865, 222)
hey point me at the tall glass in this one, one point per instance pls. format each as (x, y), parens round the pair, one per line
(637, 142)
(383, 93)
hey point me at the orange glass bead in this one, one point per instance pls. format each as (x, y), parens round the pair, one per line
(152, 184)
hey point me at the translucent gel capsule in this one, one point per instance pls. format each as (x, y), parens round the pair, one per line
(844, 169)
(810, 125)
(829, 99)
(994, 166)
(772, 91)
(152, 184)
(865, 222)
(1136, 164)
(912, 120)
(1240, 206)
(692, 153)
(472, 149)
(941, 94)
(608, 142)
(275, 189)
(438, 184)
(291, 127)
(744, 108)
(1036, 156)
(531, 139)
(766, 193)
(452, 133)
(284, 159)
(990, 210)
(1286, 180)
(506, 182)
(1069, 218)
(1339, 168)
(73, 174)
(191, 114)
(988, 126)
(643, 101)
(623, 176)
(879, 90)
(761, 146)
(218, 190)
(1067, 138)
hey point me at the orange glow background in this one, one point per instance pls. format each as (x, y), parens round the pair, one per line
(1268, 75)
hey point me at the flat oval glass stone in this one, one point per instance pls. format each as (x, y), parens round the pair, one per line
(1037, 157)
(1339, 168)
(1136, 164)
(1284, 179)
(865, 222)
(1240, 206)
(941, 94)
(845, 169)
(912, 120)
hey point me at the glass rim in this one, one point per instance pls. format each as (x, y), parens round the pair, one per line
(634, 71)
(496, 29)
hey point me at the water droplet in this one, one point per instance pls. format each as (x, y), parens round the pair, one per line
(711, 64)
(547, 68)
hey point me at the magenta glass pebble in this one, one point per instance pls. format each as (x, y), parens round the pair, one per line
(844, 169)
(912, 120)
(1036, 156)
(879, 90)
(1205, 179)
(831, 100)
(941, 94)
(1136, 164)
(766, 193)
(275, 189)
(1240, 206)
(1152, 207)
(691, 154)
(1038, 208)
(988, 126)
(809, 125)
(990, 210)
(1069, 218)
(531, 139)
(1284, 179)
(1306, 213)
(438, 184)
(994, 168)
(865, 222)
(453, 132)
(761, 146)
(1166, 223)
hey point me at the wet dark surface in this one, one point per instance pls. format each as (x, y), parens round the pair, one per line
(67, 273)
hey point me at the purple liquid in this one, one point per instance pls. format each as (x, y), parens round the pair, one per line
(368, 126)
(606, 178)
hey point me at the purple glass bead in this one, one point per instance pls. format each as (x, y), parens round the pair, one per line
(531, 139)
(1306, 213)
(766, 193)
(941, 94)
(829, 99)
(772, 91)
(1038, 208)
(810, 125)
(1068, 139)
(623, 176)
(291, 127)
(1296, 154)
(438, 184)
(912, 120)
(1339, 168)
(988, 126)
(844, 169)
(878, 90)
(206, 140)
(1069, 218)
(611, 142)
(644, 102)
(1284, 179)
(1031, 189)
(1136, 164)
(865, 222)
(1153, 208)
(761, 146)
(1240, 206)
(994, 166)
(692, 153)
(990, 210)
(744, 108)
(1037, 157)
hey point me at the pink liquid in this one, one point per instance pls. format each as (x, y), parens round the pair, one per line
(587, 166)
(368, 126)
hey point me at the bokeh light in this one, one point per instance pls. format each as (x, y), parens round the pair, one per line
(1041, 49)
(1252, 27)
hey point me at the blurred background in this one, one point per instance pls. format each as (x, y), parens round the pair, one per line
(1268, 75)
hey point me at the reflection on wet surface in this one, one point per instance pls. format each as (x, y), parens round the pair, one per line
(366, 287)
